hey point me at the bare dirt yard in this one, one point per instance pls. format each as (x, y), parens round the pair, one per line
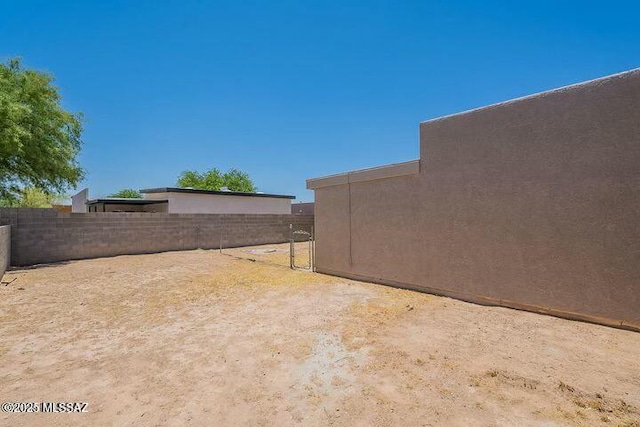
(238, 338)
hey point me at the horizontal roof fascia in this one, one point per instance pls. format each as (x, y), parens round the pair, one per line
(382, 172)
(111, 201)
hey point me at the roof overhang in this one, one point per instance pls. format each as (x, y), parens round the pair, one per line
(363, 175)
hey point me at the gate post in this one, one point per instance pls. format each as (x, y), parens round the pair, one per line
(291, 249)
(313, 250)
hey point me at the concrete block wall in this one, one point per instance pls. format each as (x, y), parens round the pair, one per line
(5, 248)
(45, 235)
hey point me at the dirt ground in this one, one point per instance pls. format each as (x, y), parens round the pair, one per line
(238, 338)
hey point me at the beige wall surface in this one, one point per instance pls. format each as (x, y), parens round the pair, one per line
(5, 248)
(222, 204)
(533, 204)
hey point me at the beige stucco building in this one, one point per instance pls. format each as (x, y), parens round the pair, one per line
(185, 200)
(532, 203)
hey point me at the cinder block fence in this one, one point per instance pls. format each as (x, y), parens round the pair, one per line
(45, 235)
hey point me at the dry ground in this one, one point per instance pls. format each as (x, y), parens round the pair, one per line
(208, 339)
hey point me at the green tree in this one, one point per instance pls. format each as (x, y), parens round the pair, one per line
(190, 179)
(127, 193)
(39, 140)
(213, 179)
(32, 198)
(236, 180)
(209, 180)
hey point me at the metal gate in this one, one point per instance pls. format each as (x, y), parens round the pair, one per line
(304, 236)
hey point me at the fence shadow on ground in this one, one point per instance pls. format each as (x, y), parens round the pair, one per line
(276, 255)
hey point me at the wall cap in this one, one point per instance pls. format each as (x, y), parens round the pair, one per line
(593, 82)
(381, 172)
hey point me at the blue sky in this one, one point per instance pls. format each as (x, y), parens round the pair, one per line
(289, 90)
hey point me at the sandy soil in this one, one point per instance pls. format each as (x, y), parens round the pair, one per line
(238, 338)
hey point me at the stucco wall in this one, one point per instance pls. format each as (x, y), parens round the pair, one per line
(5, 248)
(222, 204)
(533, 204)
(45, 235)
(79, 200)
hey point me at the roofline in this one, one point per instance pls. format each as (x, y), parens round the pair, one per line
(592, 82)
(131, 201)
(381, 172)
(220, 193)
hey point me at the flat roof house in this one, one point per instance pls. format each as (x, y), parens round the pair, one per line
(187, 200)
